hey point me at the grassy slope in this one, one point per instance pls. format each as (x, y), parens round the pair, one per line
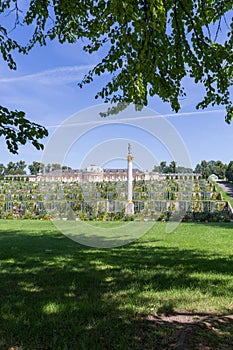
(56, 294)
(225, 195)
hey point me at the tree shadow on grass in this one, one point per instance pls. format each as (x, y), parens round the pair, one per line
(56, 294)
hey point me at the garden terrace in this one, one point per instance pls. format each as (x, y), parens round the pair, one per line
(194, 197)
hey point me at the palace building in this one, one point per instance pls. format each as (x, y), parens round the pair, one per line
(95, 173)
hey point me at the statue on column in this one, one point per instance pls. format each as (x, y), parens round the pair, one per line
(129, 149)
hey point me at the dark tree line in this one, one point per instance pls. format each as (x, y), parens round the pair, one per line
(211, 167)
(229, 171)
(215, 167)
(172, 168)
(205, 168)
(19, 168)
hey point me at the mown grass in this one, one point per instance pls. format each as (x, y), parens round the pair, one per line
(57, 294)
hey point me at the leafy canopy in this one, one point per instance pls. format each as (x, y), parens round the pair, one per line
(149, 45)
(18, 130)
(14, 127)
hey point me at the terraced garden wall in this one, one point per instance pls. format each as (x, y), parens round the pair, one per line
(195, 200)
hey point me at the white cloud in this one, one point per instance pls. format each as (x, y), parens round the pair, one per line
(107, 121)
(57, 76)
(180, 114)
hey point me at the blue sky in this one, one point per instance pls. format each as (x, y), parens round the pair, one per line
(45, 87)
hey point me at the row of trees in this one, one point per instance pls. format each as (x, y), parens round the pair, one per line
(229, 171)
(205, 168)
(213, 167)
(172, 168)
(19, 168)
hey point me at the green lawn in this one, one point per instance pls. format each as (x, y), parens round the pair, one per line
(57, 294)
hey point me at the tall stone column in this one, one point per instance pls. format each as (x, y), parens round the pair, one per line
(129, 209)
